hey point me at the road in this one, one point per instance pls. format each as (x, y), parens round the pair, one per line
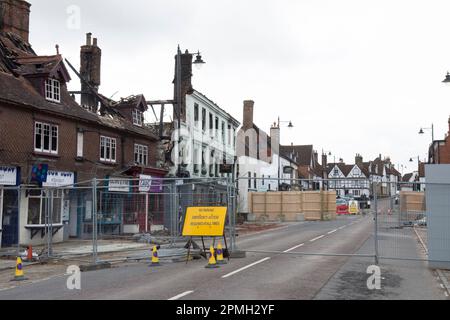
(259, 276)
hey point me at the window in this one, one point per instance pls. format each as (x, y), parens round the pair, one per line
(336, 172)
(138, 117)
(217, 127)
(80, 142)
(229, 135)
(107, 149)
(196, 160)
(234, 137)
(38, 205)
(141, 154)
(254, 181)
(204, 169)
(52, 90)
(203, 119)
(249, 180)
(356, 192)
(45, 138)
(262, 179)
(196, 115)
(223, 132)
(247, 146)
(211, 124)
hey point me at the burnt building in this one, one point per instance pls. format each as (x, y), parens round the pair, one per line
(42, 125)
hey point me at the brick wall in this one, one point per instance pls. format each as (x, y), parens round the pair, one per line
(17, 144)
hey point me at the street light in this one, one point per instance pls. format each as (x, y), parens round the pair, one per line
(198, 63)
(178, 92)
(290, 125)
(446, 81)
(432, 132)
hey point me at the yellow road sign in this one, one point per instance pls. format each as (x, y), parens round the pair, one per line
(353, 207)
(204, 221)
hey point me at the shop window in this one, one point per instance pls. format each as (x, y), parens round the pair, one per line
(38, 205)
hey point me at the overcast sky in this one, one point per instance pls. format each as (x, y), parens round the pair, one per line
(353, 76)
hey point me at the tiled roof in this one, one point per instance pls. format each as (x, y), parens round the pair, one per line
(303, 153)
(15, 89)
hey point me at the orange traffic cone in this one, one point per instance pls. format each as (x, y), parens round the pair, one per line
(30, 253)
(219, 253)
(19, 275)
(155, 258)
(212, 260)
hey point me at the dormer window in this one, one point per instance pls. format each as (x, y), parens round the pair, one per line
(138, 117)
(53, 90)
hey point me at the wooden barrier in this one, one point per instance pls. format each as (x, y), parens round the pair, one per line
(293, 205)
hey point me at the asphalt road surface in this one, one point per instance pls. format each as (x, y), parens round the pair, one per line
(274, 272)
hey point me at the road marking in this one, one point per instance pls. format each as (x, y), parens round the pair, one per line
(246, 267)
(332, 231)
(317, 238)
(446, 294)
(293, 248)
(442, 286)
(340, 228)
(181, 295)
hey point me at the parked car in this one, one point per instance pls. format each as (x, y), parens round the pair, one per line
(341, 206)
(421, 222)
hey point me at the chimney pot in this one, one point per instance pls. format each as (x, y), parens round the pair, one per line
(95, 42)
(88, 38)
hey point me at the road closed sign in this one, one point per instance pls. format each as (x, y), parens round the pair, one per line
(204, 221)
(353, 207)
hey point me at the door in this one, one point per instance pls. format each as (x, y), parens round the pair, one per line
(10, 217)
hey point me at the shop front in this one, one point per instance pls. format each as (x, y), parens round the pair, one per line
(9, 205)
(49, 205)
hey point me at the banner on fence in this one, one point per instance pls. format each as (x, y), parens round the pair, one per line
(204, 221)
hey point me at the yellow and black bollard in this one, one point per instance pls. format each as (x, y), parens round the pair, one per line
(155, 258)
(219, 253)
(212, 260)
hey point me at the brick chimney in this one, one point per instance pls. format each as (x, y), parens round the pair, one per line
(90, 67)
(358, 158)
(324, 160)
(247, 122)
(275, 138)
(186, 81)
(15, 18)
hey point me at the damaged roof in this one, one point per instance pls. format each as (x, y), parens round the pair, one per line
(18, 60)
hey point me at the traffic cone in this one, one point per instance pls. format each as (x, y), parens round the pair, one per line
(155, 259)
(19, 276)
(212, 261)
(30, 253)
(219, 253)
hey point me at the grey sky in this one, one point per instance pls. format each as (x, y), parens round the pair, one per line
(353, 76)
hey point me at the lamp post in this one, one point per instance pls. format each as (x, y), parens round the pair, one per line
(198, 63)
(432, 132)
(290, 125)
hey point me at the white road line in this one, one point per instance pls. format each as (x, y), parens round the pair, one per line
(442, 286)
(332, 231)
(293, 248)
(246, 267)
(340, 228)
(446, 294)
(317, 238)
(181, 295)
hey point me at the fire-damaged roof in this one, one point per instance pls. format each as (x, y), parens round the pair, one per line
(18, 63)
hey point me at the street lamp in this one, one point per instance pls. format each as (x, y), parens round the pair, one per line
(178, 93)
(290, 125)
(446, 81)
(432, 132)
(198, 63)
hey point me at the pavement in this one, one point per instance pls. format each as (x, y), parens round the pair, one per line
(301, 260)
